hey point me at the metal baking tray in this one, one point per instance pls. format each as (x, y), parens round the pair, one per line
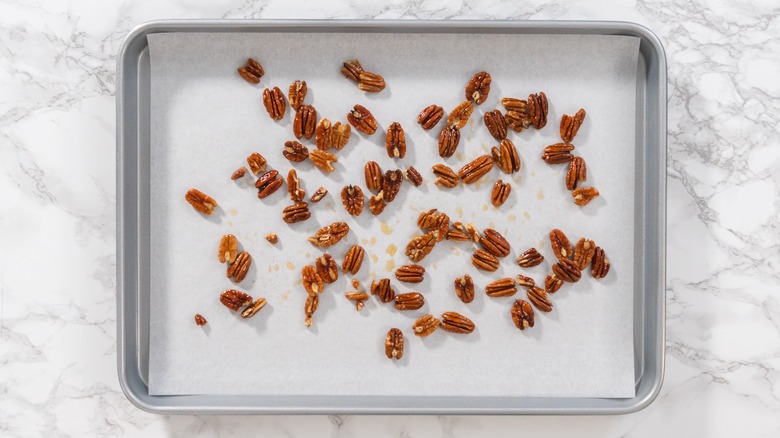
(133, 218)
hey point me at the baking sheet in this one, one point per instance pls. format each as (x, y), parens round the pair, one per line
(206, 120)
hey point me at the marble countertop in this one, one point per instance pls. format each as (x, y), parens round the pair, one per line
(57, 221)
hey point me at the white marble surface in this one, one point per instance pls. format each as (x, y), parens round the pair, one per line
(57, 252)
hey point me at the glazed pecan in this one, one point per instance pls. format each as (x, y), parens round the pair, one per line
(421, 246)
(339, 135)
(200, 201)
(373, 174)
(297, 94)
(558, 153)
(311, 305)
(228, 249)
(268, 183)
(571, 124)
(295, 151)
(476, 169)
(413, 176)
(200, 320)
(353, 259)
(377, 203)
(327, 268)
(454, 322)
(460, 115)
(514, 104)
(239, 268)
(425, 325)
(234, 299)
(522, 314)
(517, 121)
(433, 220)
(274, 103)
(496, 124)
(395, 141)
(352, 70)
(552, 283)
(583, 253)
(272, 238)
(408, 301)
(391, 184)
(537, 109)
(383, 289)
(252, 71)
(252, 309)
(478, 87)
(323, 160)
(318, 194)
(430, 116)
(329, 234)
(600, 265)
(241, 171)
(484, 261)
(504, 287)
(312, 281)
(361, 119)
(297, 212)
(410, 273)
(305, 122)
(294, 186)
(358, 298)
(449, 137)
(560, 244)
(464, 288)
(445, 176)
(394, 344)
(576, 174)
(323, 135)
(500, 193)
(525, 281)
(506, 156)
(457, 235)
(538, 297)
(583, 195)
(371, 82)
(530, 258)
(493, 242)
(352, 199)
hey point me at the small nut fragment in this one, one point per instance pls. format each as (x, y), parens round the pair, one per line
(395, 141)
(358, 298)
(234, 299)
(295, 152)
(373, 174)
(239, 268)
(200, 320)
(445, 176)
(410, 273)
(504, 287)
(311, 305)
(584, 251)
(353, 259)
(377, 203)
(530, 258)
(600, 265)
(478, 87)
(257, 163)
(327, 268)
(576, 174)
(571, 124)
(305, 122)
(200, 201)
(583, 195)
(274, 103)
(430, 116)
(383, 289)
(552, 283)
(329, 234)
(361, 119)
(318, 194)
(484, 261)
(538, 297)
(272, 238)
(500, 193)
(460, 115)
(268, 183)
(560, 244)
(464, 288)
(522, 314)
(469, 229)
(323, 160)
(525, 281)
(457, 235)
(506, 156)
(425, 325)
(352, 199)
(476, 169)
(454, 322)
(537, 109)
(312, 282)
(371, 82)
(408, 301)
(493, 242)
(558, 153)
(449, 138)
(240, 172)
(394, 344)
(352, 70)
(253, 308)
(496, 124)
(517, 121)
(515, 104)
(339, 135)
(413, 176)
(294, 186)
(323, 135)
(391, 184)
(252, 71)
(228, 249)
(297, 94)
(297, 212)
(421, 246)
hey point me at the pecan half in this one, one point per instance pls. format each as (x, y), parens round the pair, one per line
(373, 174)
(500, 193)
(408, 301)
(584, 251)
(352, 199)
(361, 119)
(537, 109)
(457, 235)
(600, 266)
(228, 249)
(517, 121)
(504, 287)
(476, 169)
(522, 314)
(339, 135)
(252, 309)
(272, 238)
(268, 183)
(413, 176)
(297, 194)
(383, 289)
(576, 173)
(241, 171)
(530, 258)
(560, 244)
(391, 184)
(297, 212)
(305, 122)
(312, 281)
(295, 151)
(433, 220)
(252, 71)
(394, 344)
(538, 297)
(464, 288)
(583, 195)
(525, 281)
(421, 246)
(353, 259)
(358, 298)
(234, 299)
(515, 104)
(352, 70)
(323, 135)
(371, 82)
(430, 116)
(445, 176)
(478, 87)
(329, 234)
(469, 229)
(454, 322)
(266, 179)
(296, 94)
(558, 153)
(484, 261)
(552, 283)
(493, 242)
(425, 325)
(460, 115)
(395, 141)
(274, 103)
(239, 268)
(377, 203)
(327, 268)
(311, 305)
(318, 194)
(571, 124)
(449, 137)
(506, 156)
(323, 160)
(410, 273)
(496, 124)
(200, 320)
(200, 201)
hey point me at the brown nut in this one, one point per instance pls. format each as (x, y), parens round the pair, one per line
(504, 287)
(252, 309)
(274, 103)
(552, 283)
(318, 194)
(430, 116)
(571, 124)
(460, 115)
(464, 288)
(323, 135)
(239, 268)
(558, 153)
(323, 160)
(234, 299)
(457, 235)
(297, 194)
(391, 184)
(395, 141)
(383, 289)
(297, 94)
(305, 122)
(408, 301)
(600, 265)
(538, 297)
(478, 87)
(576, 173)
(312, 281)
(297, 212)
(268, 183)
(327, 268)
(421, 246)
(425, 325)
(410, 273)
(484, 261)
(200, 320)
(506, 156)
(200, 201)
(469, 229)
(537, 109)
(413, 176)
(454, 322)
(515, 104)
(371, 82)
(517, 121)
(329, 234)
(228, 249)
(584, 251)
(339, 135)
(522, 314)
(377, 203)
(309, 307)
(352, 199)
(358, 298)
(353, 259)
(560, 244)
(445, 176)
(449, 137)
(373, 174)
(252, 71)
(583, 195)
(496, 124)
(530, 258)
(493, 242)
(500, 193)
(272, 238)
(433, 220)
(525, 281)
(352, 70)
(240, 172)
(476, 169)
(295, 151)
(394, 344)
(361, 119)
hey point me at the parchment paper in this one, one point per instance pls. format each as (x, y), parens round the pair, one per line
(206, 120)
